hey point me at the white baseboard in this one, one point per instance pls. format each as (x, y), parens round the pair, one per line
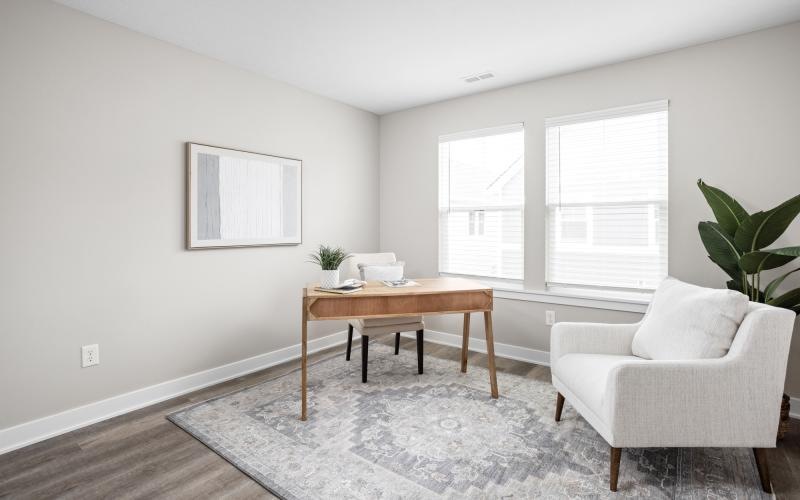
(43, 428)
(34, 431)
(479, 345)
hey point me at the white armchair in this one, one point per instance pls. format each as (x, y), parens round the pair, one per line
(732, 401)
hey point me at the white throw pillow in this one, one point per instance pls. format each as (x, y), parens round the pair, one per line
(392, 271)
(689, 322)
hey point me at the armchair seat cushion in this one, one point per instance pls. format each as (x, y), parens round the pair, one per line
(586, 375)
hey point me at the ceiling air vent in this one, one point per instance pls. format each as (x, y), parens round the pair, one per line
(478, 77)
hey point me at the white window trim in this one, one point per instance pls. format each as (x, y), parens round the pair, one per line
(482, 132)
(565, 296)
(619, 111)
(578, 298)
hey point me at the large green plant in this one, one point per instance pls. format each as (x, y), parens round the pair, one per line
(737, 243)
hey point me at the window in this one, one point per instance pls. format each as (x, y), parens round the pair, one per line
(607, 198)
(481, 202)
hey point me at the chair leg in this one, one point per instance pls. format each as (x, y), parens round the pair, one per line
(616, 455)
(559, 406)
(364, 355)
(419, 351)
(349, 341)
(397, 343)
(763, 468)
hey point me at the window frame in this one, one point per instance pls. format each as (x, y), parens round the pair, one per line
(483, 209)
(587, 117)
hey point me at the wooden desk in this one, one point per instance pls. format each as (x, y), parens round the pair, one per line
(433, 296)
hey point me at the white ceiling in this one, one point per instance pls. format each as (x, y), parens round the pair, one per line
(387, 55)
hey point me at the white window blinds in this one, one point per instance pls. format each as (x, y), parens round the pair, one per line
(481, 202)
(607, 198)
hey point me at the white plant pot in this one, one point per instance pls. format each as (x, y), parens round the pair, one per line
(329, 279)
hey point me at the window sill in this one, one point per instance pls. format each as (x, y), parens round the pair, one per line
(577, 297)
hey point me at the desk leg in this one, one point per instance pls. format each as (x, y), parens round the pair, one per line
(487, 319)
(304, 362)
(465, 344)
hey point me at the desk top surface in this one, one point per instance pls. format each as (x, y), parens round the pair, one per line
(426, 286)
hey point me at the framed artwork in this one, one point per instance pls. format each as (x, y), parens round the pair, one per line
(238, 199)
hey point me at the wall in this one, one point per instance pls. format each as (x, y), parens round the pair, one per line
(733, 121)
(93, 121)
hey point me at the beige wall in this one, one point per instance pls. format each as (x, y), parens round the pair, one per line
(93, 120)
(734, 121)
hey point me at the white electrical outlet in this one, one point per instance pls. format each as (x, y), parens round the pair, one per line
(90, 355)
(549, 317)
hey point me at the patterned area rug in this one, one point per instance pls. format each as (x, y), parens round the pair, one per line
(439, 435)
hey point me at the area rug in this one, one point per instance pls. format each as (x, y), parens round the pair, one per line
(439, 436)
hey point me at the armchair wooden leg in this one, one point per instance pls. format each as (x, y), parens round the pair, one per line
(397, 343)
(349, 341)
(419, 351)
(364, 354)
(559, 406)
(616, 455)
(763, 468)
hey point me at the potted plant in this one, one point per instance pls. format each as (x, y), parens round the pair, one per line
(328, 259)
(737, 243)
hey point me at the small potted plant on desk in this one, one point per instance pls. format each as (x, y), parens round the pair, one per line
(329, 259)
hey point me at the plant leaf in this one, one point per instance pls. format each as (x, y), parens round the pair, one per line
(734, 272)
(763, 228)
(774, 284)
(720, 246)
(728, 211)
(755, 262)
(789, 300)
(734, 285)
(793, 251)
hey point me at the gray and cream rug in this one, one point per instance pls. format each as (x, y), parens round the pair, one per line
(439, 435)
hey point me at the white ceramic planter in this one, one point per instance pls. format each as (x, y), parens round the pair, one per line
(329, 279)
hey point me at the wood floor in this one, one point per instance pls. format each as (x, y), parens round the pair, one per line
(143, 455)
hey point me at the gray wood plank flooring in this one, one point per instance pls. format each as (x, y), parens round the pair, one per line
(143, 455)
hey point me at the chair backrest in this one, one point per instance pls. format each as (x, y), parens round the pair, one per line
(765, 329)
(349, 268)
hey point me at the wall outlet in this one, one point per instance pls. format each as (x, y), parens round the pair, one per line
(90, 355)
(549, 317)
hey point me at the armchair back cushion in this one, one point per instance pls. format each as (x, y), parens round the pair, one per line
(686, 321)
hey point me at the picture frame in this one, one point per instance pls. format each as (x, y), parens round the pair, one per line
(238, 198)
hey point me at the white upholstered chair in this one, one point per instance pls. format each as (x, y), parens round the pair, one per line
(732, 401)
(378, 326)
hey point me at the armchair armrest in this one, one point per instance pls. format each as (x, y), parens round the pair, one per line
(704, 402)
(591, 338)
(728, 401)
